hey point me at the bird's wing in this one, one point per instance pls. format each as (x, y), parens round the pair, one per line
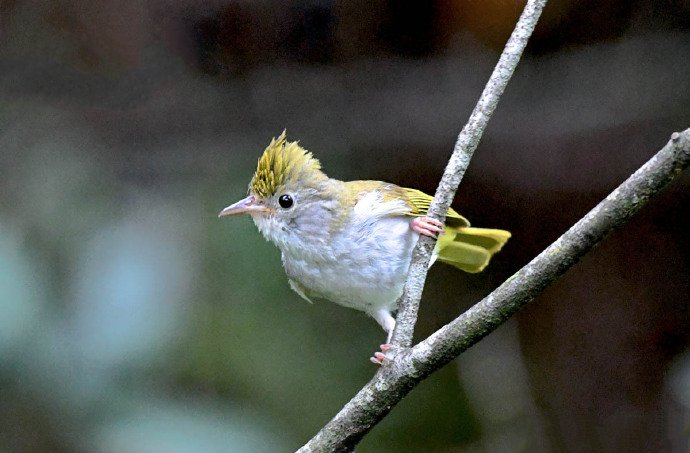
(419, 203)
(380, 199)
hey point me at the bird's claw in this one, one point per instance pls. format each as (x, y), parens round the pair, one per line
(427, 226)
(380, 357)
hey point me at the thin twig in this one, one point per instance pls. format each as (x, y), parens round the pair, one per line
(393, 382)
(467, 142)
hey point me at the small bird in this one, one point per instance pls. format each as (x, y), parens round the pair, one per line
(351, 242)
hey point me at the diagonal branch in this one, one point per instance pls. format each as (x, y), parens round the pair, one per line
(484, 317)
(411, 366)
(467, 142)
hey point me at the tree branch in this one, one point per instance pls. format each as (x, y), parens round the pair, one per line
(484, 317)
(467, 142)
(411, 366)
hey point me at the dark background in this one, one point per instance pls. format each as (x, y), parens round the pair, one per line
(133, 320)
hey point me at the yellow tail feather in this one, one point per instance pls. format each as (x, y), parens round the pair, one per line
(470, 249)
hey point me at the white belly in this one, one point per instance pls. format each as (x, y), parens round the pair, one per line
(365, 268)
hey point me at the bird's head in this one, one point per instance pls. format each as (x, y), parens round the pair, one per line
(290, 199)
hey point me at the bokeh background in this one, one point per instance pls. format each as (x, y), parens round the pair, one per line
(133, 320)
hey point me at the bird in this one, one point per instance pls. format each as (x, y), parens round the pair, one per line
(351, 242)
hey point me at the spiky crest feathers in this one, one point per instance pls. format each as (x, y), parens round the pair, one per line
(283, 164)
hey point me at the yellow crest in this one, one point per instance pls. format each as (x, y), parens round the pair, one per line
(284, 163)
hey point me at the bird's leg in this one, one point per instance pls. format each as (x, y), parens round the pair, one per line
(387, 321)
(427, 226)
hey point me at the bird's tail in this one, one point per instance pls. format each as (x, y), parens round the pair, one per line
(468, 248)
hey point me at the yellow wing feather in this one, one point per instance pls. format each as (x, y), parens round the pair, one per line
(420, 203)
(470, 249)
(467, 248)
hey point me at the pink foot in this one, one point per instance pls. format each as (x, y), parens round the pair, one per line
(380, 357)
(427, 226)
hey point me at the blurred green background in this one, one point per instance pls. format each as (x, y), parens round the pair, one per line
(134, 320)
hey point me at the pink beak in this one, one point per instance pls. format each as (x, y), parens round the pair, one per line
(247, 205)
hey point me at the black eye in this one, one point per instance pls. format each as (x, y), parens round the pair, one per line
(285, 201)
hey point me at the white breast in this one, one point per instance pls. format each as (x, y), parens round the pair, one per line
(367, 261)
